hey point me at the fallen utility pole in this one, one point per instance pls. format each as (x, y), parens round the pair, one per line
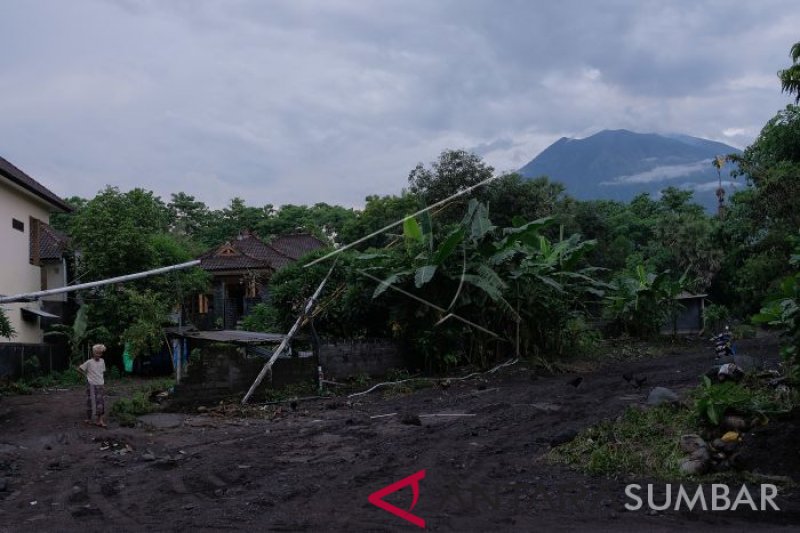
(31, 296)
(279, 350)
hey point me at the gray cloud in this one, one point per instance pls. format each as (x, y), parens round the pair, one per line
(309, 101)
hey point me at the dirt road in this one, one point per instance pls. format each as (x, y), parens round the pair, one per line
(313, 469)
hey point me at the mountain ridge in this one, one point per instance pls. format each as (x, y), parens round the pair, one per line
(619, 164)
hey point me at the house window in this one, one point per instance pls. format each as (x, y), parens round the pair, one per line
(17, 224)
(202, 304)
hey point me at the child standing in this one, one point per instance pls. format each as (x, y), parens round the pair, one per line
(93, 369)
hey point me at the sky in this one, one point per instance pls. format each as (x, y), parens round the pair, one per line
(302, 102)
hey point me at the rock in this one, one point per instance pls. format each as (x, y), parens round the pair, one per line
(149, 456)
(660, 395)
(736, 423)
(411, 419)
(725, 447)
(700, 454)
(3, 484)
(691, 443)
(692, 467)
(730, 436)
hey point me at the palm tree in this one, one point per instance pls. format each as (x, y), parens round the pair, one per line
(790, 77)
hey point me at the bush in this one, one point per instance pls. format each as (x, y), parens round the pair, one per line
(715, 317)
(125, 410)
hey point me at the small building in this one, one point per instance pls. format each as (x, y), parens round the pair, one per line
(241, 270)
(689, 318)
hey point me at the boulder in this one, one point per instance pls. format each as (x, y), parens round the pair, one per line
(693, 467)
(660, 395)
(691, 443)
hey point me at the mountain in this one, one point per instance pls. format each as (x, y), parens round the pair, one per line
(619, 164)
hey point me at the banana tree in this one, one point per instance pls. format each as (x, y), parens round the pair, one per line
(643, 302)
(77, 334)
(493, 277)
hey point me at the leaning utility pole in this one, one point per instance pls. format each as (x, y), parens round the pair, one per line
(279, 350)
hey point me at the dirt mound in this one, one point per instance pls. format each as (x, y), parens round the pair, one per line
(774, 449)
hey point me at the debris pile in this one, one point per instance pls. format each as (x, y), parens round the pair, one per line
(720, 455)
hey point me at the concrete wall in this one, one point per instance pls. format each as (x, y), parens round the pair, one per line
(17, 275)
(345, 359)
(226, 369)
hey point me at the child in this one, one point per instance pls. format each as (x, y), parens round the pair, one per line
(93, 369)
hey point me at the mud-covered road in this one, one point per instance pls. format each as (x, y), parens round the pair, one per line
(313, 469)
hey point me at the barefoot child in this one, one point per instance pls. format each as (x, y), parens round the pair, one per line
(93, 369)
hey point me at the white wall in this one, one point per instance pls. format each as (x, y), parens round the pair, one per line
(17, 275)
(55, 278)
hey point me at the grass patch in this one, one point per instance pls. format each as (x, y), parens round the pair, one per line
(641, 441)
(137, 403)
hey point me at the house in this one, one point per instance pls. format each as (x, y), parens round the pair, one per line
(241, 269)
(33, 252)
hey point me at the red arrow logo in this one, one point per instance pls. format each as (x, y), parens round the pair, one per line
(376, 498)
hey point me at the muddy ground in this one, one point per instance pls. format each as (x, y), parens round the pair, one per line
(313, 469)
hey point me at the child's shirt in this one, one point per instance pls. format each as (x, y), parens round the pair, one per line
(94, 371)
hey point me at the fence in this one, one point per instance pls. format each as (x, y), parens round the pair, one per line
(18, 361)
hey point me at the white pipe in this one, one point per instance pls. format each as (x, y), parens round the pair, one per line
(119, 279)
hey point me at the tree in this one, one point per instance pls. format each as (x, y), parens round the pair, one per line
(790, 77)
(454, 171)
(61, 221)
(121, 233)
(379, 212)
(484, 286)
(762, 217)
(187, 215)
(512, 195)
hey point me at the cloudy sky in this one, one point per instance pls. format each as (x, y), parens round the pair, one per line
(327, 101)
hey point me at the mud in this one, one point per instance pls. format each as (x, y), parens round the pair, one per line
(482, 443)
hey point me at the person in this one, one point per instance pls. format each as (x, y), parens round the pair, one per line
(93, 369)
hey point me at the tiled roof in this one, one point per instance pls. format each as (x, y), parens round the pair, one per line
(296, 245)
(247, 252)
(52, 243)
(15, 175)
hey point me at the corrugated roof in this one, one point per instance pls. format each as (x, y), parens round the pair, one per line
(234, 336)
(17, 176)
